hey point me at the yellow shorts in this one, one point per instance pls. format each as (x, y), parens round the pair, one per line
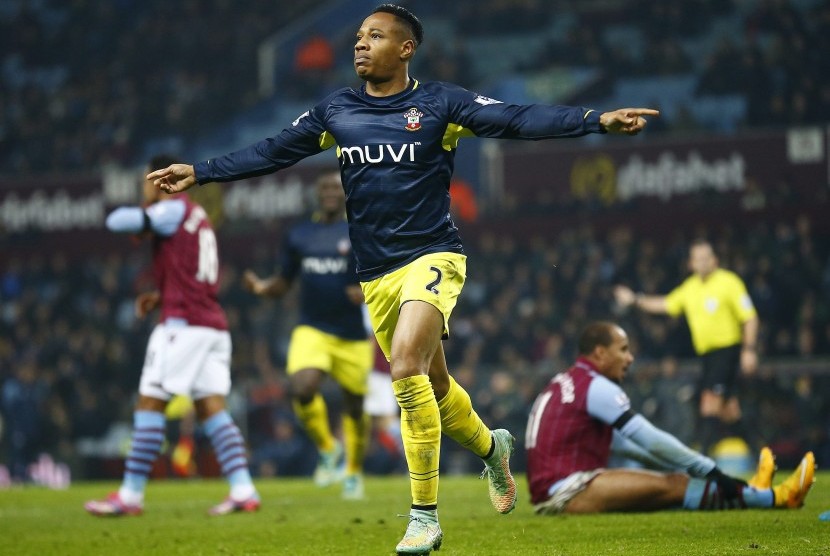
(436, 278)
(349, 362)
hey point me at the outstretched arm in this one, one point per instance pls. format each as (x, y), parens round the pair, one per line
(174, 179)
(305, 137)
(629, 121)
(486, 117)
(625, 297)
(664, 446)
(608, 403)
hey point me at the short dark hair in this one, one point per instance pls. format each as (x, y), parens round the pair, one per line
(161, 161)
(599, 333)
(412, 22)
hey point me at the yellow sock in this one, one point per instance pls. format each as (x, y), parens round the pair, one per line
(315, 419)
(460, 422)
(356, 438)
(421, 433)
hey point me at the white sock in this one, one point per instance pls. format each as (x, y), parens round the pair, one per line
(130, 497)
(242, 492)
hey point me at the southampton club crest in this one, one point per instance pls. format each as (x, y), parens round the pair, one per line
(413, 119)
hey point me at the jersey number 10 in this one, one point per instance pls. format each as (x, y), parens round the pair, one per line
(208, 257)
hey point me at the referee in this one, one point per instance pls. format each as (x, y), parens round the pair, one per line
(724, 327)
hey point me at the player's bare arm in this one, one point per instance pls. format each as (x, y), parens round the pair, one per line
(626, 297)
(355, 294)
(146, 302)
(749, 347)
(274, 286)
(174, 179)
(630, 121)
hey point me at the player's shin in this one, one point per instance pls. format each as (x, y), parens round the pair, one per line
(421, 432)
(704, 494)
(229, 447)
(461, 423)
(315, 419)
(147, 439)
(356, 439)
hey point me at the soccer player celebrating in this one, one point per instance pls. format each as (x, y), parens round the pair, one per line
(568, 442)
(395, 140)
(189, 351)
(724, 327)
(330, 337)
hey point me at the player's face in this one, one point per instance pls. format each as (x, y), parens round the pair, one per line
(382, 48)
(617, 357)
(702, 260)
(330, 194)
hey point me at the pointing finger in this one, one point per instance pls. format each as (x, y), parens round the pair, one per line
(644, 111)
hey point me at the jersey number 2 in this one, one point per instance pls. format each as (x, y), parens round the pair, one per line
(433, 286)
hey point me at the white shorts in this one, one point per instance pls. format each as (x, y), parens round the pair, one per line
(380, 400)
(191, 360)
(564, 490)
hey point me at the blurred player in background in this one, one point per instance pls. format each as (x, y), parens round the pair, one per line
(189, 351)
(395, 140)
(724, 328)
(330, 338)
(568, 442)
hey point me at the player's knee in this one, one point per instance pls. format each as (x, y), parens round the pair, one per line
(146, 403)
(304, 385)
(303, 391)
(406, 365)
(208, 407)
(440, 387)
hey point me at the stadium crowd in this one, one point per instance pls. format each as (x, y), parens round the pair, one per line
(81, 87)
(71, 349)
(82, 82)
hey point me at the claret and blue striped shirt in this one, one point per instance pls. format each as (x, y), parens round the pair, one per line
(396, 158)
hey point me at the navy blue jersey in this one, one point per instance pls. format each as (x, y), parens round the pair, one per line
(320, 257)
(396, 158)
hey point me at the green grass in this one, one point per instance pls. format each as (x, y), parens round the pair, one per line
(298, 519)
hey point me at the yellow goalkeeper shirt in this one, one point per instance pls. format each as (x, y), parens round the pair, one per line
(715, 308)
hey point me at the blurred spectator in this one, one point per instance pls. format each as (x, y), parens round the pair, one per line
(23, 403)
(511, 333)
(463, 202)
(313, 62)
(81, 85)
(78, 86)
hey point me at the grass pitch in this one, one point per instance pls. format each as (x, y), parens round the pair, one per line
(299, 519)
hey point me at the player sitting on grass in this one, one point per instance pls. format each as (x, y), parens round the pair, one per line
(568, 442)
